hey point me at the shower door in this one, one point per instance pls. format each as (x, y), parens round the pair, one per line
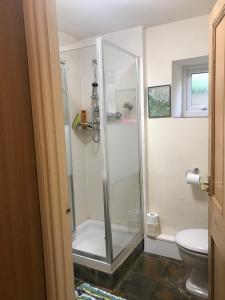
(68, 144)
(84, 156)
(120, 140)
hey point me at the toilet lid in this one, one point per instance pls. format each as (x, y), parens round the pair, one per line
(193, 239)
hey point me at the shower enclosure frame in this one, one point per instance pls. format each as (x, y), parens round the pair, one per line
(109, 263)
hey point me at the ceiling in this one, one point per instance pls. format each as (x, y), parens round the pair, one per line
(84, 18)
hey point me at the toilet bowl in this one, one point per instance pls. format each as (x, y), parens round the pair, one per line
(193, 248)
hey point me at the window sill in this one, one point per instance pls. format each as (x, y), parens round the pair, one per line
(195, 114)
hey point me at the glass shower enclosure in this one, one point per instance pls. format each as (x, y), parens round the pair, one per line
(104, 175)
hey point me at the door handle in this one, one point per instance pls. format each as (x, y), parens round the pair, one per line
(68, 210)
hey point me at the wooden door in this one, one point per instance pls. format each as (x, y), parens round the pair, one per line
(21, 255)
(217, 153)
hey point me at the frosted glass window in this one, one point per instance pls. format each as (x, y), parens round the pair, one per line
(195, 91)
(199, 90)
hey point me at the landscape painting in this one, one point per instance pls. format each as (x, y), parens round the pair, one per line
(159, 101)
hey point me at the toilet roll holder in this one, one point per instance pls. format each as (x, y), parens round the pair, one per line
(204, 182)
(194, 171)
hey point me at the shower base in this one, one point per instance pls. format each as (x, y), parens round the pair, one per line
(89, 247)
(90, 238)
(109, 280)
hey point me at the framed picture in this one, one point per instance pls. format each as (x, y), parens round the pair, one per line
(159, 101)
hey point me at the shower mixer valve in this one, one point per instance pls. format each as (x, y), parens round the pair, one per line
(95, 106)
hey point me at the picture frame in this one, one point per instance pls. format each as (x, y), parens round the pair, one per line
(159, 101)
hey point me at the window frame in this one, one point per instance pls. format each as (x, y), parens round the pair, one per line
(188, 110)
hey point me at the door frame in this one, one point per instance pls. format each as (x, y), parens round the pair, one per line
(216, 15)
(48, 122)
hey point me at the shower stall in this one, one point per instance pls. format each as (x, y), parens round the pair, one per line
(102, 81)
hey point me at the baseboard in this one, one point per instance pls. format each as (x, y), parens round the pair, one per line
(163, 245)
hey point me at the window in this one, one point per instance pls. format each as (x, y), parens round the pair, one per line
(190, 87)
(195, 91)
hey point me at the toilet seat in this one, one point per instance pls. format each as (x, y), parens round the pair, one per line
(195, 240)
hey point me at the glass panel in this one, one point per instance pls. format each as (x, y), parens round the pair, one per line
(122, 144)
(68, 144)
(199, 90)
(86, 156)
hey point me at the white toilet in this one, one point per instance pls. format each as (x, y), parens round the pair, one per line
(193, 247)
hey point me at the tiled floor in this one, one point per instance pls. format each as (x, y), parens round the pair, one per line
(154, 278)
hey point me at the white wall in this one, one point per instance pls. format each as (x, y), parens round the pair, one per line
(179, 40)
(129, 39)
(175, 145)
(65, 39)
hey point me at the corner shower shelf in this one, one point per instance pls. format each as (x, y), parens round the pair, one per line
(88, 126)
(84, 135)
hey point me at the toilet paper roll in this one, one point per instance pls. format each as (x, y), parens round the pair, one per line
(152, 218)
(193, 178)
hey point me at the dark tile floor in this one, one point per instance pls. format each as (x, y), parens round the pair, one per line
(153, 278)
